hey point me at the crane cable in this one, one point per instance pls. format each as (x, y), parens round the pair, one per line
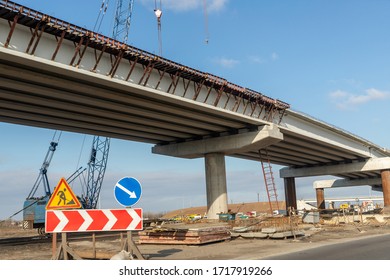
(206, 23)
(102, 12)
(78, 167)
(58, 137)
(158, 13)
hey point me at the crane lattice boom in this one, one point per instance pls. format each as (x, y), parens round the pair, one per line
(96, 170)
(122, 20)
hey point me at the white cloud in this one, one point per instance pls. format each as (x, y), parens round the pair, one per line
(216, 5)
(187, 5)
(178, 5)
(256, 59)
(347, 100)
(259, 60)
(338, 94)
(274, 56)
(227, 62)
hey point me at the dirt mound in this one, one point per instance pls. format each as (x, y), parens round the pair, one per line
(259, 207)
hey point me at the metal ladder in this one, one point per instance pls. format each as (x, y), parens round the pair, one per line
(269, 180)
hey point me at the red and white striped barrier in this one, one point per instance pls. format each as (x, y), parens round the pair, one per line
(93, 220)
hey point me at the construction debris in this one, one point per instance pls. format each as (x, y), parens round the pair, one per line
(193, 229)
(202, 231)
(185, 235)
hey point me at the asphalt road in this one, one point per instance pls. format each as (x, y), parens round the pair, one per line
(370, 248)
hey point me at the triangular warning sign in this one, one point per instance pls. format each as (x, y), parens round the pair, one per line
(63, 197)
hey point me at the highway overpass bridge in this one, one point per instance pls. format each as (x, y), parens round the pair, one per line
(56, 75)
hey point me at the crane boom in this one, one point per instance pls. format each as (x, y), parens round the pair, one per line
(96, 170)
(100, 145)
(122, 20)
(42, 177)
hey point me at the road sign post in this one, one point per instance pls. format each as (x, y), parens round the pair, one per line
(62, 198)
(127, 192)
(92, 220)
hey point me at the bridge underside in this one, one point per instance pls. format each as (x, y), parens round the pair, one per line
(50, 95)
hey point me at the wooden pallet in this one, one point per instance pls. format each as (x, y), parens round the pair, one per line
(193, 236)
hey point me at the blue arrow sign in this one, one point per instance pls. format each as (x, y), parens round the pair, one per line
(127, 191)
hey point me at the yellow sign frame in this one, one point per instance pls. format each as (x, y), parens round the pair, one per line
(63, 197)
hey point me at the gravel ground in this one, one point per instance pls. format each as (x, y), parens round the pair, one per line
(235, 248)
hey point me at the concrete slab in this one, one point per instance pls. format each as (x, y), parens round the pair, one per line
(286, 234)
(268, 230)
(249, 234)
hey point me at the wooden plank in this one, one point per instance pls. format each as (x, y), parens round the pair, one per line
(185, 234)
(179, 233)
(186, 241)
(163, 238)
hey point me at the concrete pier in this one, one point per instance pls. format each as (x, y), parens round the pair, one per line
(385, 174)
(290, 193)
(320, 198)
(216, 185)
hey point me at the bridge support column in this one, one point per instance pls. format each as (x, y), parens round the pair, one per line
(320, 198)
(290, 193)
(216, 185)
(385, 175)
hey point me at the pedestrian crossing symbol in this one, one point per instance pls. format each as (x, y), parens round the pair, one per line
(63, 197)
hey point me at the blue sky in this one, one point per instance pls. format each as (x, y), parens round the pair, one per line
(329, 59)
